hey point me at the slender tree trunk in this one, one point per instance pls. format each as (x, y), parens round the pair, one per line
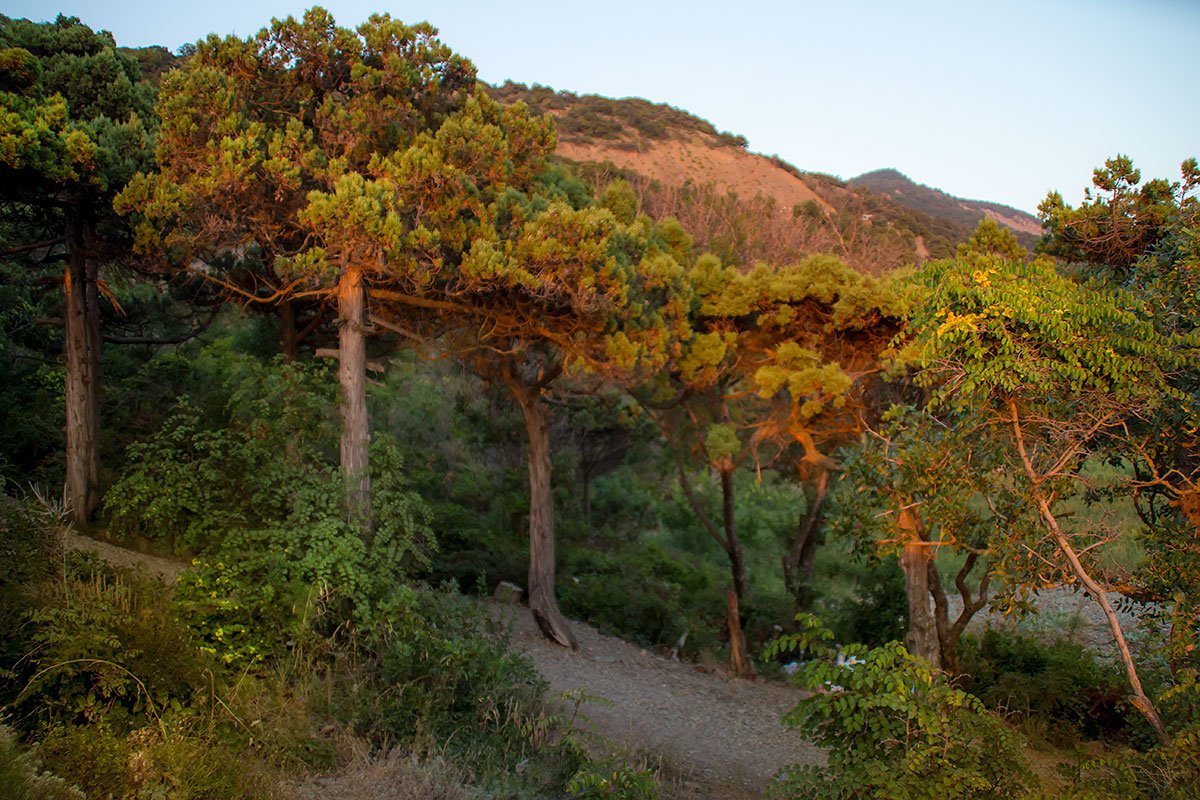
(352, 375)
(798, 560)
(737, 559)
(81, 390)
(1139, 699)
(541, 515)
(289, 340)
(922, 639)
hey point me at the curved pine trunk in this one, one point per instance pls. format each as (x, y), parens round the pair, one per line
(352, 376)
(542, 601)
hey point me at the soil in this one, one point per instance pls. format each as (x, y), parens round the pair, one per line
(721, 736)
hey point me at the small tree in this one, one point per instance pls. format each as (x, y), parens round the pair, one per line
(894, 729)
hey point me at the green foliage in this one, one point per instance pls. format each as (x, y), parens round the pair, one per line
(615, 778)
(876, 612)
(254, 489)
(108, 647)
(895, 729)
(439, 674)
(644, 593)
(1057, 687)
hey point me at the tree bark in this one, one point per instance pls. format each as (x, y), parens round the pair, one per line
(352, 376)
(542, 602)
(737, 559)
(922, 639)
(949, 633)
(81, 324)
(798, 560)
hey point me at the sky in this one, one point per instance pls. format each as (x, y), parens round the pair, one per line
(1001, 101)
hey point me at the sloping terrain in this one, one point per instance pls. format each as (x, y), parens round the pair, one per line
(748, 207)
(937, 203)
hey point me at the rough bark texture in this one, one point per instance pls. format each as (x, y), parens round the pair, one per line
(352, 369)
(799, 558)
(542, 601)
(738, 655)
(82, 383)
(922, 639)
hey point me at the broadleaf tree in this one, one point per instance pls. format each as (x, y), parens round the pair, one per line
(1060, 370)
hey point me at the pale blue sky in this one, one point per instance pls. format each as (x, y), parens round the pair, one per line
(1001, 101)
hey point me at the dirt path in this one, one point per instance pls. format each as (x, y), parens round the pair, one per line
(722, 735)
(165, 568)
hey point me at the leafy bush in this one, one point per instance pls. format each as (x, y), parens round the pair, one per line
(108, 647)
(644, 593)
(1058, 687)
(894, 729)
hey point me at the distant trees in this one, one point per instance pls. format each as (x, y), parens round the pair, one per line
(74, 130)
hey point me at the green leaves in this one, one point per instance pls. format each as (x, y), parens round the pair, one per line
(895, 729)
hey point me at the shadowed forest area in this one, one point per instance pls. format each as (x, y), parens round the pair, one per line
(325, 322)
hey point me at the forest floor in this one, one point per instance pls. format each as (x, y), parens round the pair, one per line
(716, 736)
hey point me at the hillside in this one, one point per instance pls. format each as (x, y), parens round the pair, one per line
(937, 203)
(748, 207)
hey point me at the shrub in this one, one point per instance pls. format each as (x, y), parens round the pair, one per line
(894, 729)
(1059, 687)
(108, 646)
(644, 593)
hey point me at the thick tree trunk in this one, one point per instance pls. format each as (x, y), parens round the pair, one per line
(922, 639)
(352, 375)
(799, 558)
(82, 384)
(541, 515)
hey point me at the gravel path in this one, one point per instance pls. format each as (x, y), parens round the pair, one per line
(722, 734)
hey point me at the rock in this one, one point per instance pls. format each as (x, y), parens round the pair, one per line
(508, 593)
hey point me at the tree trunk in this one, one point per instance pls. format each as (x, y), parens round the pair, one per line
(541, 515)
(949, 633)
(289, 340)
(82, 383)
(352, 375)
(922, 639)
(738, 655)
(798, 560)
(737, 560)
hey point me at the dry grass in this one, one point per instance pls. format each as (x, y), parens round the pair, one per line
(398, 775)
